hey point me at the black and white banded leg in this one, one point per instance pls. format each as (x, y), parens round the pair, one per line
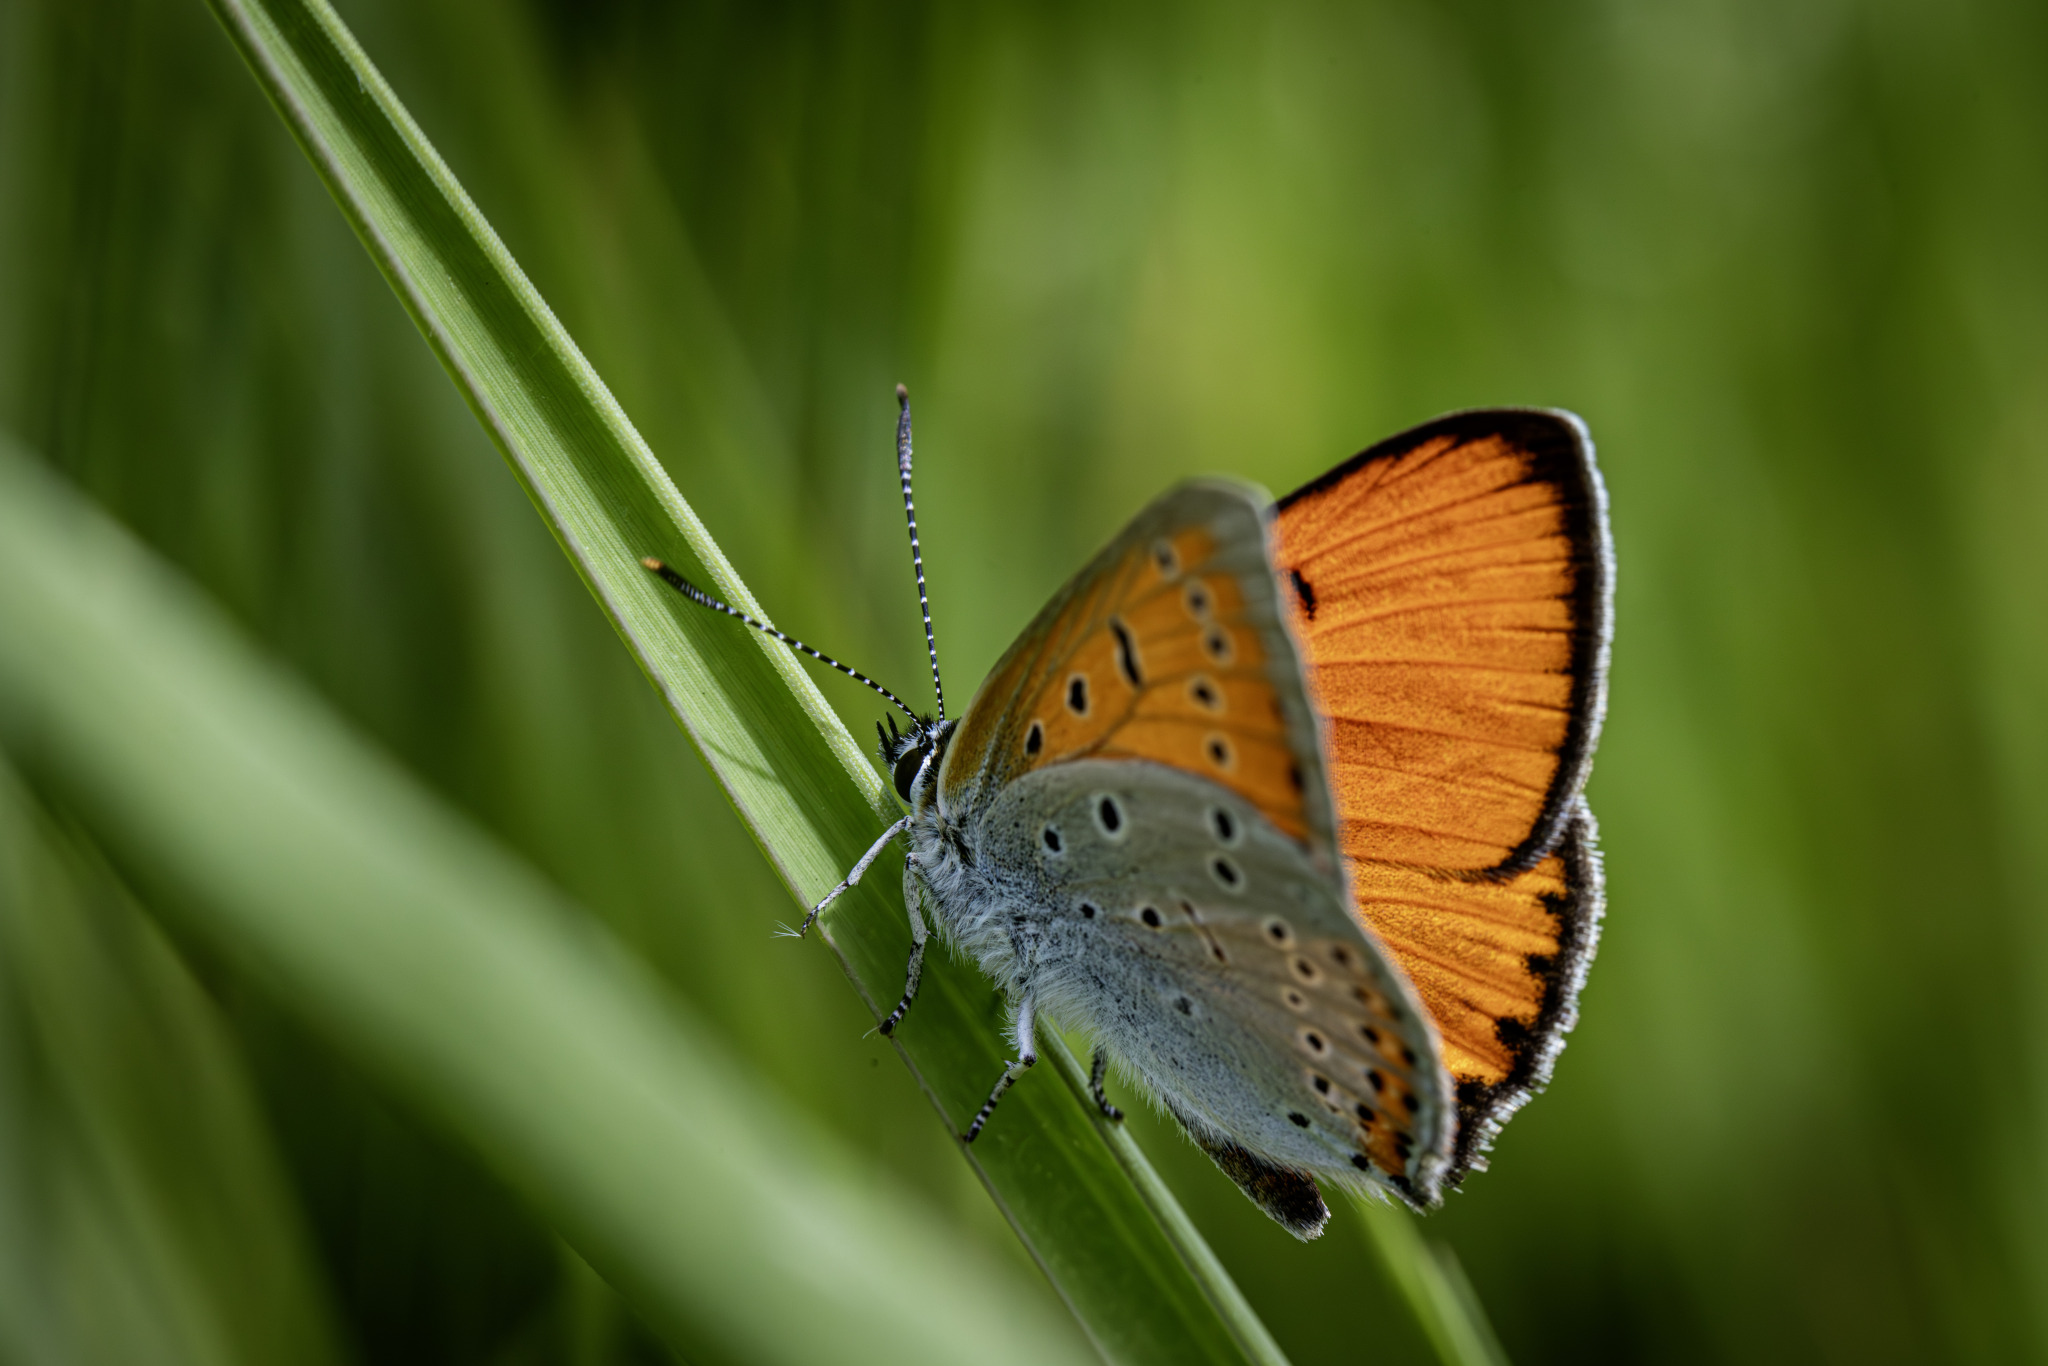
(1027, 1044)
(1095, 1075)
(911, 903)
(851, 880)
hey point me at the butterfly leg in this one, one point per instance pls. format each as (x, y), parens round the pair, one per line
(851, 880)
(1095, 1076)
(1027, 1045)
(912, 897)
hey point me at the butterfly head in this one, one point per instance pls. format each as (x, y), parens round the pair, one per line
(912, 756)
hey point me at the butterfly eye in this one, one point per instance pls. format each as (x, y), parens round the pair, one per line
(1220, 821)
(906, 770)
(1034, 740)
(1051, 837)
(1216, 641)
(1166, 558)
(1225, 872)
(1150, 915)
(1199, 602)
(1219, 752)
(1277, 931)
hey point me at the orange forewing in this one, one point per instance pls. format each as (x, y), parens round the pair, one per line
(1451, 588)
(1154, 657)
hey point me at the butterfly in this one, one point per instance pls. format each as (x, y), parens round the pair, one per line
(1280, 803)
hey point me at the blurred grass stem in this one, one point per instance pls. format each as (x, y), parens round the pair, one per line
(1432, 1284)
(452, 973)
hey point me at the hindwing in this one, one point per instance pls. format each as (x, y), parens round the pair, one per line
(1225, 971)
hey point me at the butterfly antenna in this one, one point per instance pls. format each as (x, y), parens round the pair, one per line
(704, 599)
(924, 604)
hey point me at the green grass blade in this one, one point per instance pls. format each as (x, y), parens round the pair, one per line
(1144, 1290)
(445, 967)
(144, 1213)
(1432, 1284)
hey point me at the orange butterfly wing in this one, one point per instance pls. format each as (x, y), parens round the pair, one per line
(1172, 646)
(1453, 595)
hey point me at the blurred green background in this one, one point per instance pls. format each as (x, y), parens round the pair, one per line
(1789, 261)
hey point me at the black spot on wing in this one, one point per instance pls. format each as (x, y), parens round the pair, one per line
(1110, 815)
(1126, 654)
(1304, 593)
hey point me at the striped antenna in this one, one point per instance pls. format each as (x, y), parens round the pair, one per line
(704, 599)
(931, 643)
